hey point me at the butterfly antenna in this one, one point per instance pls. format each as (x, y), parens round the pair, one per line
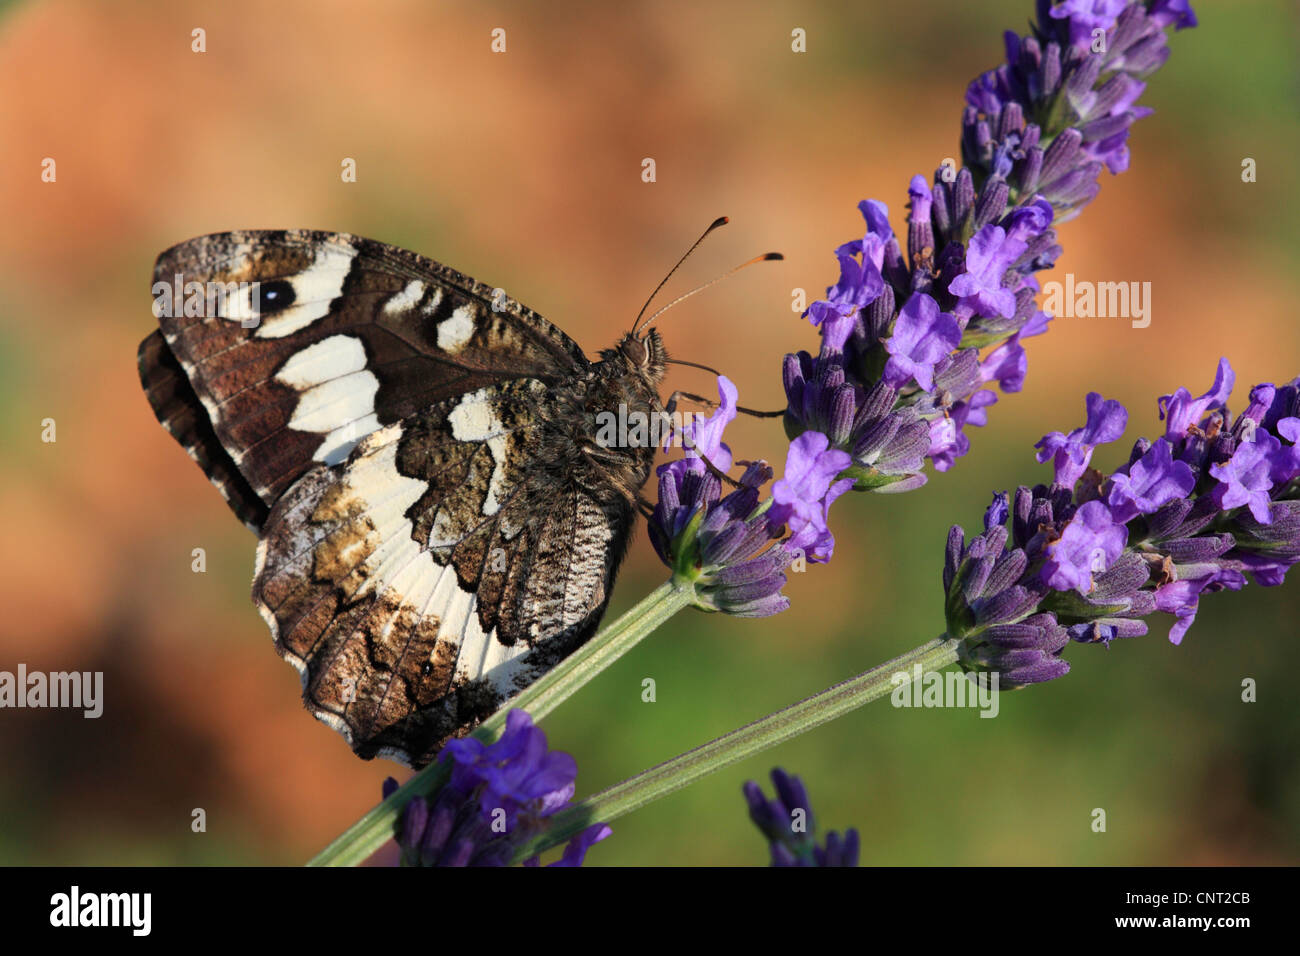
(720, 221)
(765, 257)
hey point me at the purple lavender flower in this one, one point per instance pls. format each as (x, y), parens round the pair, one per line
(704, 437)
(1071, 453)
(1244, 478)
(1084, 16)
(1200, 510)
(835, 326)
(724, 546)
(498, 798)
(1007, 365)
(860, 282)
(1182, 412)
(1149, 483)
(922, 336)
(979, 289)
(1176, 12)
(734, 550)
(948, 440)
(787, 823)
(802, 497)
(1089, 544)
(875, 243)
(858, 285)
(1284, 462)
(1036, 134)
(516, 774)
(1055, 69)
(1026, 224)
(1182, 598)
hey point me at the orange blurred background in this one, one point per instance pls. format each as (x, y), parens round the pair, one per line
(523, 169)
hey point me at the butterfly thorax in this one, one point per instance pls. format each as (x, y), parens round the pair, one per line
(603, 430)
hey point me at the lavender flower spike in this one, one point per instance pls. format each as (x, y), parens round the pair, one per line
(787, 823)
(902, 371)
(499, 797)
(1202, 509)
(734, 550)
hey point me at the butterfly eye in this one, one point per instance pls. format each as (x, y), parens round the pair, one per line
(635, 351)
(274, 296)
(427, 668)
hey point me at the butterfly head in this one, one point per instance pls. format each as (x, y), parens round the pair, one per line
(644, 355)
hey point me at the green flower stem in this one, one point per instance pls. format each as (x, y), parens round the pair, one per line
(373, 830)
(769, 731)
(611, 643)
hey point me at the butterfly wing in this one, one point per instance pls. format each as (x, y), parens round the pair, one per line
(401, 438)
(449, 563)
(179, 410)
(280, 350)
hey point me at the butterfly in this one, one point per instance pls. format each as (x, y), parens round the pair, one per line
(438, 525)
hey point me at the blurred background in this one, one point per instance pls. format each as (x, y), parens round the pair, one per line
(523, 170)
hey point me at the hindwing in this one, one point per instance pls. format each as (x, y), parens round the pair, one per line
(448, 564)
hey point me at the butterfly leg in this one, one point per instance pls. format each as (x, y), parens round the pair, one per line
(669, 409)
(712, 403)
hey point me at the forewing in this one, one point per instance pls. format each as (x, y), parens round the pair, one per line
(297, 344)
(443, 568)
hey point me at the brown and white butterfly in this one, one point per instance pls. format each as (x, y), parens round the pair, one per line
(417, 452)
